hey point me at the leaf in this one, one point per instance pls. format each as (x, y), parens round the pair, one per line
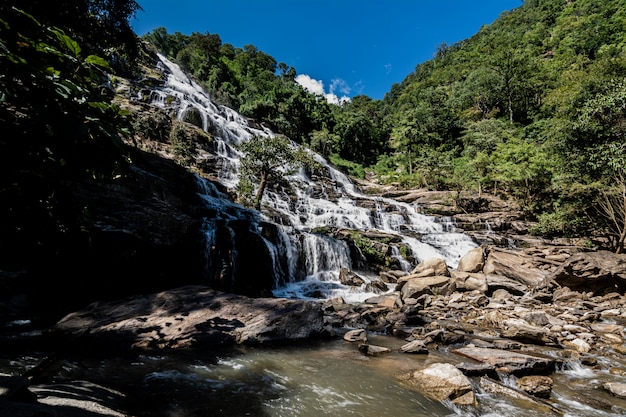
(69, 43)
(98, 61)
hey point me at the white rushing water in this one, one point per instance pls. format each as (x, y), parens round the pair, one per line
(306, 206)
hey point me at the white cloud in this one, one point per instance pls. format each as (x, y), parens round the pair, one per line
(313, 86)
(340, 85)
(317, 87)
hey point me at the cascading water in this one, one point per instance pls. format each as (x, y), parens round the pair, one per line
(330, 202)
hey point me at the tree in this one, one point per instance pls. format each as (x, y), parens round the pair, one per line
(270, 158)
(104, 23)
(524, 170)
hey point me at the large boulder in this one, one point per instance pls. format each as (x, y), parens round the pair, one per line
(514, 265)
(472, 261)
(415, 287)
(468, 281)
(601, 272)
(441, 381)
(190, 317)
(431, 267)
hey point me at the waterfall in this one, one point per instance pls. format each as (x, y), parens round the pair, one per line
(304, 262)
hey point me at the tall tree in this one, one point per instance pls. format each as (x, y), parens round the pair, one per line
(268, 159)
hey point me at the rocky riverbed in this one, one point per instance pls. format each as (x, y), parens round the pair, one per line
(510, 317)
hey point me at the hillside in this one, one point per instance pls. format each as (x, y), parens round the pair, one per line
(531, 109)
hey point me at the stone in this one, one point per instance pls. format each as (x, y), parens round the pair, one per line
(601, 272)
(441, 381)
(536, 385)
(536, 403)
(416, 346)
(496, 282)
(577, 344)
(75, 399)
(515, 266)
(617, 389)
(415, 287)
(525, 332)
(432, 266)
(188, 317)
(356, 335)
(515, 363)
(350, 278)
(373, 350)
(473, 261)
(467, 281)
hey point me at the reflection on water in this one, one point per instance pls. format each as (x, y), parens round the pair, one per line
(321, 378)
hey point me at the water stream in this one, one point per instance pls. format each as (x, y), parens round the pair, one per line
(331, 201)
(311, 379)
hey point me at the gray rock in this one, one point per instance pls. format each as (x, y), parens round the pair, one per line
(373, 350)
(416, 346)
(600, 272)
(536, 385)
(188, 317)
(617, 389)
(510, 362)
(356, 335)
(441, 381)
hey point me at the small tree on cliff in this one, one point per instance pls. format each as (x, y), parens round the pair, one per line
(269, 159)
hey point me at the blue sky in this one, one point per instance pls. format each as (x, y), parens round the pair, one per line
(338, 47)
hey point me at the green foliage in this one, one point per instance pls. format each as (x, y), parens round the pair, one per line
(100, 27)
(370, 248)
(59, 126)
(269, 159)
(52, 102)
(350, 168)
(182, 144)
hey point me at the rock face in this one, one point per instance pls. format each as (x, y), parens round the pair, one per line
(190, 317)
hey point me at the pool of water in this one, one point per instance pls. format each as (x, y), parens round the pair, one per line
(318, 378)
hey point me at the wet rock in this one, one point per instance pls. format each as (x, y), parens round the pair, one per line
(356, 335)
(617, 389)
(376, 286)
(536, 385)
(15, 387)
(391, 277)
(373, 350)
(577, 344)
(441, 381)
(495, 387)
(350, 278)
(72, 399)
(477, 369)
(515, 363)
(416, 346)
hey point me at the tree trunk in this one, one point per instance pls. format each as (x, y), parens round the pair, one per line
(260, 191)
